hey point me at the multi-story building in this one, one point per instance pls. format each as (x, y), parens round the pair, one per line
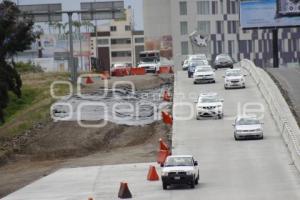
(219, 19)
(117, 42)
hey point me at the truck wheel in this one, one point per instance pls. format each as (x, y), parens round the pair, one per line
(165, 186)
(197, 180)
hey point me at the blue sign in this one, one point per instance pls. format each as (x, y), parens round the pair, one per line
(269, 13)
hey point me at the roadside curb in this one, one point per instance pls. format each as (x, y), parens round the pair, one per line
(281, 113)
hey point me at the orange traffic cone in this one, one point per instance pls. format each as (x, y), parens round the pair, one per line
(89, 80)
(90, 198)
(163, 145)
(124, 192)
(152, 174)
(162, 156)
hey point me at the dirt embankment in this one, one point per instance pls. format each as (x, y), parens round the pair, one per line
(53, 145)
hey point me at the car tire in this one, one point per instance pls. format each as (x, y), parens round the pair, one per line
(165, 186)
(193, 183)
(214, 81)
(197, 179)
(198, 118)
(195, 83)
(231, 67)
(261, 137)
(220, 116)
(226, 88)
(236, 138)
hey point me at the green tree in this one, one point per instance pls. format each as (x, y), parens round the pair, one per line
(16, 35)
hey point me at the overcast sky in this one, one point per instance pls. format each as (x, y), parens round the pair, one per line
(75, 5)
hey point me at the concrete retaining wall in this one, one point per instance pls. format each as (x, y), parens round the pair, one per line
(279, 108)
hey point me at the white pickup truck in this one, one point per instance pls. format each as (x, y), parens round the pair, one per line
(181, 169)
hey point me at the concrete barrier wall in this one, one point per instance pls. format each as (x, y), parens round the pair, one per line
(283, 117)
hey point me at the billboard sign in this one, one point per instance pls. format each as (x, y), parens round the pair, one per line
(43, 12)
(269, 13)
(102, 10)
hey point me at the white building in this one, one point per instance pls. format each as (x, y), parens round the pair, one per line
(219, 20)
(118, 42)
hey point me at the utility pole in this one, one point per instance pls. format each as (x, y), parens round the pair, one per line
(71, 58)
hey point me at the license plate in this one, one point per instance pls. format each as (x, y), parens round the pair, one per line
(177, 178)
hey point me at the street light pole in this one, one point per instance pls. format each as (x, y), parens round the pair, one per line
(71, 59)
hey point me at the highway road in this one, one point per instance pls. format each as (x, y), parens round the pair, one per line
(229, 169)
(243, 170)
(289, 81)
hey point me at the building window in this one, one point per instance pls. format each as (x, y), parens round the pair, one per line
(102, 41)
(113, 28)
(220, 27)
(121, 41)
(184, 48)
(120, 54)
(214, 7)
(232, 26)
(203, 27)
(183, 28)
(231, 48)
(183, 7)
(203, 8)
(231, 7)
(220, 47)
(221, 6)
(139, 40)
(127, 28)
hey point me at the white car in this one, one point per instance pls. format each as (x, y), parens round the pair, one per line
(204, 74)
(181, 169)
(247, 127)
(234, 78)
(209, 105)
(150, 66)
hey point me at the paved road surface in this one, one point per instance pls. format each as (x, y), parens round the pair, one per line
(230, 170)
(289, 79)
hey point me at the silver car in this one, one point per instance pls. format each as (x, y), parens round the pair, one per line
(247, 127)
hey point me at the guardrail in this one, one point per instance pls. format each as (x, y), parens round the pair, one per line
(281, 113)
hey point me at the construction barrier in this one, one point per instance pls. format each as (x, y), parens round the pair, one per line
(165, 70)
(167, 118)
(137, 71)
(162, 145)
(89, 80)
(124, 192)
(162, 156)
(152, 174)
(119, 72)
(166, 96)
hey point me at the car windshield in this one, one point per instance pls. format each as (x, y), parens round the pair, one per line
(234, 73)
(209, 99)
(204, 69)
(247, 121)
(179, 161)
(224, 58)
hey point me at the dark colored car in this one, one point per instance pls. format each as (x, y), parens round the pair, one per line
(223, 61)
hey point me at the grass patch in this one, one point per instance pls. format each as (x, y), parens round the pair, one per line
(34, 105)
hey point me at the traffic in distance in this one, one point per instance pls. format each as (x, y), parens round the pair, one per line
(184, 169)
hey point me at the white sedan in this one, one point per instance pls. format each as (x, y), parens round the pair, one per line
(247, 127)
(234, 78)
(204, 74)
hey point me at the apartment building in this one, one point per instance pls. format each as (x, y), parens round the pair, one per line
(219, 20)
(117, 41)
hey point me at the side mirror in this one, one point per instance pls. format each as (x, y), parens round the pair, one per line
(233, 124)
(162, 165)
(196, 163)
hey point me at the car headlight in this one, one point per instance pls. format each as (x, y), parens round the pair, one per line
(258, 130)
(227, 80)
(164, 173)
(189, 173)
